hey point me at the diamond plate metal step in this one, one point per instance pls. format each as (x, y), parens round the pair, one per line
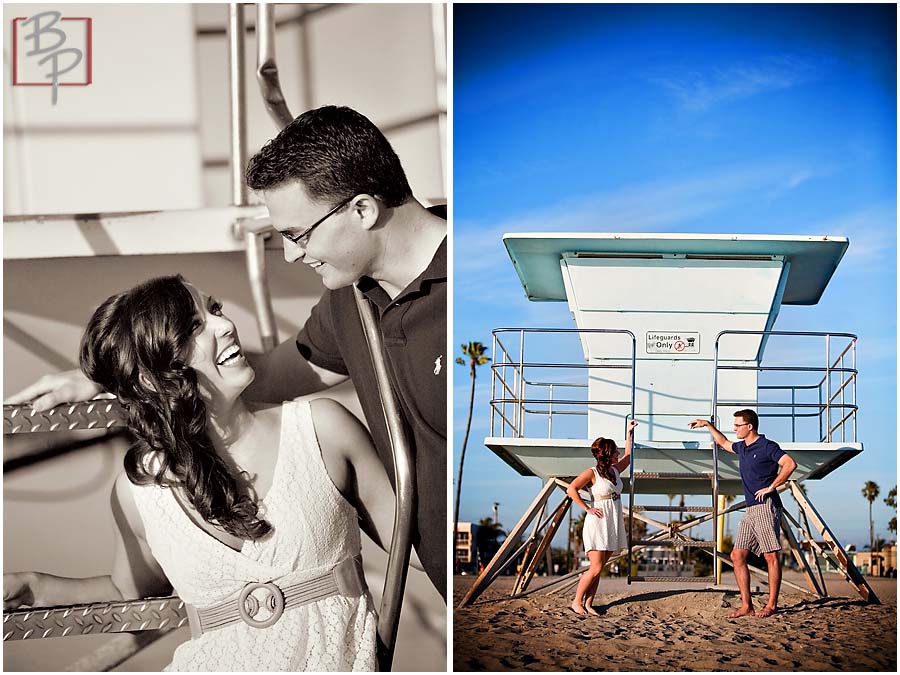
(698, 580)
(96, 414)
(675, 542)
(673, 509)
(670, 474)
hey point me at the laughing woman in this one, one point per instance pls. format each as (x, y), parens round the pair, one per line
(252, 514)
(604, 525)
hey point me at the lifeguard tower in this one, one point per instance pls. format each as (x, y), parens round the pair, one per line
(671, 327)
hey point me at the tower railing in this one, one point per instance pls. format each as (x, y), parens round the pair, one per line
(836, 390)
(512, 400)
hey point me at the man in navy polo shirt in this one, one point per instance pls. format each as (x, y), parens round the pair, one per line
(764, 466)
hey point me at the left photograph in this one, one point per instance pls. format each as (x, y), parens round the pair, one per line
(224, 337)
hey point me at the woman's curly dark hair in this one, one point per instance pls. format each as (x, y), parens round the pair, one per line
(604, 450)
(137, 346)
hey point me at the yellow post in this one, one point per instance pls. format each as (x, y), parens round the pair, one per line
(720, 536)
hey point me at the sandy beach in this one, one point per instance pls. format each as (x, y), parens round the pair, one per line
(675, 627)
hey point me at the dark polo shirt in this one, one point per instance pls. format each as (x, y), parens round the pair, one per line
(759, 467)
(414, 328)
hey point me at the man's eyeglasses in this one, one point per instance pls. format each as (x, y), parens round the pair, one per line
(745, 424)
(297, 238)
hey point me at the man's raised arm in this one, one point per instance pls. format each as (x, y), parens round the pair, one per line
(717, 435)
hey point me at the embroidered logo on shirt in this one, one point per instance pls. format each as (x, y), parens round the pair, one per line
(437, 365)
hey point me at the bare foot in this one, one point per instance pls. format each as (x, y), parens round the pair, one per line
(590, 610)
(743, 611)
(764, 612)
(577, 608)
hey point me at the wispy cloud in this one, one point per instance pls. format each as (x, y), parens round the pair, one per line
(659, 205)
(871, 230)
(699, 89)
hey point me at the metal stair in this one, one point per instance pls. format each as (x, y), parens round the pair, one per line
(674, 539)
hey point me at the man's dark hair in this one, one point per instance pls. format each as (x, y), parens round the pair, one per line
(335, 153)
(749, 417)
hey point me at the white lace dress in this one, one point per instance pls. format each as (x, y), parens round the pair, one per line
(606, 533)
(314, 528)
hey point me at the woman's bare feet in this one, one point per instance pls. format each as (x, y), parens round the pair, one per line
(578, 608)
(743, 611)
(590, 610)
(765, 611)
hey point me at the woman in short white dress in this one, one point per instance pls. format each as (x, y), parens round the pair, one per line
(252, 513)
(604, 527)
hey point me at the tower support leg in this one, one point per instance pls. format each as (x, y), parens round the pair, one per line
(507, 546)
(845, 565)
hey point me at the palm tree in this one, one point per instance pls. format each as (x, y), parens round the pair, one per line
(891, 500)
(870, 492)
(488, 538)
(475, 352)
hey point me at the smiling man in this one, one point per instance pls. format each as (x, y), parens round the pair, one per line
(764, 466)
(336, 191)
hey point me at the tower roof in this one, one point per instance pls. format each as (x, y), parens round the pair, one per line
(813, 259)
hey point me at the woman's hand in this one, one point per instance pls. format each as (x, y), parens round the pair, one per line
(18, 589)
(631, 425)
(595, 511)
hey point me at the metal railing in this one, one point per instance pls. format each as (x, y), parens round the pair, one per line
(840, 398)
(509, 385)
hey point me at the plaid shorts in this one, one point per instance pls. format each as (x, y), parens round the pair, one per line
(760, 529)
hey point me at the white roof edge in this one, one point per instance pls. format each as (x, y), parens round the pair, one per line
(675, 235)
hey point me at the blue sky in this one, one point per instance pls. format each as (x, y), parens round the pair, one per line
(674, 118)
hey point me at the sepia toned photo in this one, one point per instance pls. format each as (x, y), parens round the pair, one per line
(224, 340)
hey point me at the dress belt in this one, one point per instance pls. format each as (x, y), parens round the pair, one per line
(345, 578)
(612, 495)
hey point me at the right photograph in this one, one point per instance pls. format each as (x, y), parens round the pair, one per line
(675, 316)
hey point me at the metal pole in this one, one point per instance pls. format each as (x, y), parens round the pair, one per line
(854, 389)
(237, 103)
(631, 465)
(493, 377)
(405, 482)
(254, 239)
(266, 68)
(793, 415)
(828, 388)
(715, 454)
(843, 426)
(550, 415)
(520, 387)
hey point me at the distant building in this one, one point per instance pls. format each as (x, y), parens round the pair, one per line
(878, 564)
(464, 547)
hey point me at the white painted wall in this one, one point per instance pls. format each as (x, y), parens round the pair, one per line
(669, 295)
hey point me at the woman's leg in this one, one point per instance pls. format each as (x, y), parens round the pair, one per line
(586, 581)
(592, 590)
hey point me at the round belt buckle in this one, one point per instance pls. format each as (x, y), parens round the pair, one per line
(248, 605)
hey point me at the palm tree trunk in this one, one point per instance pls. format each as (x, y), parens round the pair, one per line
(871, 528)
(462, 457)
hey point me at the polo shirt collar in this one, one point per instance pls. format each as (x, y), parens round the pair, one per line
(436, 271)
(759, 437)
